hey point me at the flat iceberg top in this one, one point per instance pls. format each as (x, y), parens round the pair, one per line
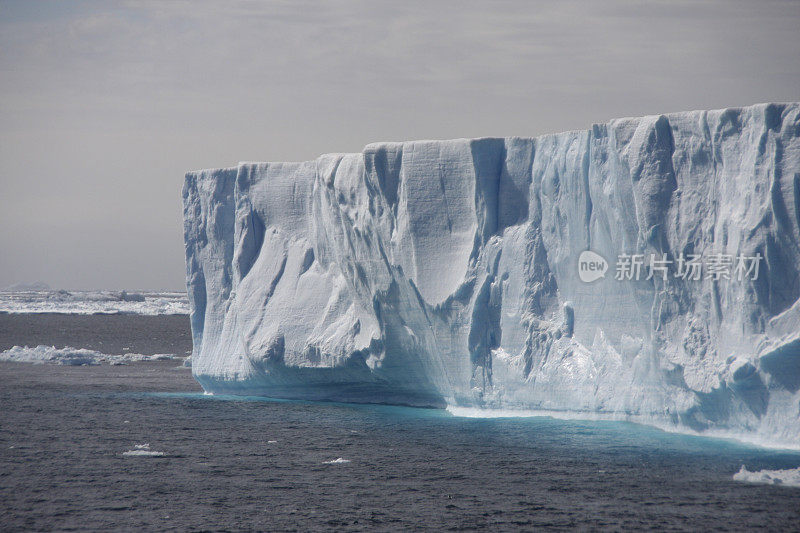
(675, 116)
(645, 267)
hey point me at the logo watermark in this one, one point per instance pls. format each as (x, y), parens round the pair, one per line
(591, 266)
(691, 267)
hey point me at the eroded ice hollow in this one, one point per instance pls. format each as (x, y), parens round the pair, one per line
(438, 273)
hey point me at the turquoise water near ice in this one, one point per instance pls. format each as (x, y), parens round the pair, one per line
(234, 463)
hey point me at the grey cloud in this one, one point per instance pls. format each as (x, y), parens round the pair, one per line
(104, 106)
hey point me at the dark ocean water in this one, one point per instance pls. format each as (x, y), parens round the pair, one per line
(110, 334)
(63, 431)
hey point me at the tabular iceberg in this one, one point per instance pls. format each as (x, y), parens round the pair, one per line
(438, 273)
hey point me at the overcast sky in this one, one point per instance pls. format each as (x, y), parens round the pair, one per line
(104, 106)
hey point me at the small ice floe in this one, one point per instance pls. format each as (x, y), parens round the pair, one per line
(789, 478)
(143, 450)
(74, 356)
(50, 354)
(338, 461)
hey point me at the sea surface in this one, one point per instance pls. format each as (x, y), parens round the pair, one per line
(140, 447)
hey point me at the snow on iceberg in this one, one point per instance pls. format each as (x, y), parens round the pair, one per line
(454, 273)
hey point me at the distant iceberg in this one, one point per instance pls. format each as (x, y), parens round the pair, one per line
(34, 286)
(50, 354)
(647, 267)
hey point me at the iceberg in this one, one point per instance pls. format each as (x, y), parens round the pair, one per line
(646, 268)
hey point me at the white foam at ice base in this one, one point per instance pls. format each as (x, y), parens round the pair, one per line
(42, 354)
(436, 273)
(338, 461)
(142, 450)
(477, 412)
(94, 302)
(787, 478)
(741, 437)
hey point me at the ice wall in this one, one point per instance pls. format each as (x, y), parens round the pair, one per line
(446, 272)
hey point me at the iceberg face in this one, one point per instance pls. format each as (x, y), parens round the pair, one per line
(456, 273)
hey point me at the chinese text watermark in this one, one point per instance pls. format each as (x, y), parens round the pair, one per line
(691, 267)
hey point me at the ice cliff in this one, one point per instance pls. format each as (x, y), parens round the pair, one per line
(447, 272)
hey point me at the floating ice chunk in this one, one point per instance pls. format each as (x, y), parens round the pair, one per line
(125, 296)
(74, 356)
(142, 450)
(142, 453)
(789, 478)
(50, 354)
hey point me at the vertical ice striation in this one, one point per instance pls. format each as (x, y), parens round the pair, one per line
(446, 272)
